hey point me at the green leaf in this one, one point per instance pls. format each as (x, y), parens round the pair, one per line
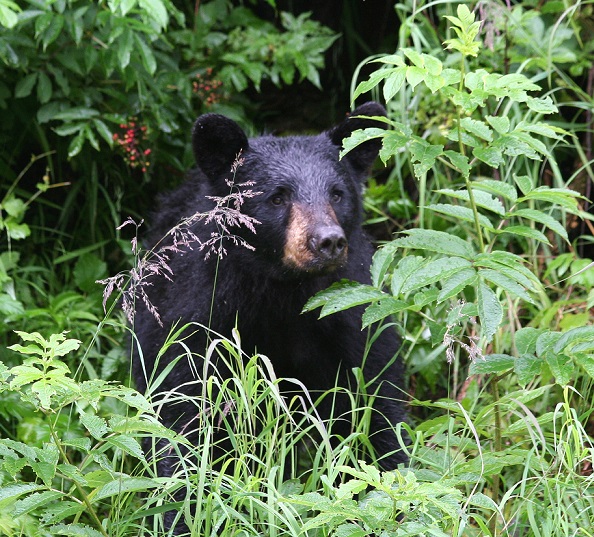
(127, 444)
(124, 47)
(526, 339)
(381, 262)
(424, 154)
(406, 267)
(482, 199)
(524, 182)
(490, 311)
(35, 501)
(525, 231)
(543, 105)
(343, 296)
(436, 241)
(394, 82)
(146, 54)
(478, 128)
(382, 309)
(499, 188)
(8, 15)
(527, 367)
(506, 283)
(124, 484)
(75, 530)
(24, 86)
(96, 425)
(492, 363)
(453, 284)
(156, 10)
(460, 213)
(490, 155)
(510, 265)
(358, 137)
(561, 366)
(573, 337)
(542, 218)
(13, 491)
(459, 161)
(501, 124)
(44, 88)
(434, 271)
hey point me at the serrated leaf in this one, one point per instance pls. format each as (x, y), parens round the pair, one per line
(527, 367)
(501, 124)
(96, 425)
(436, 241)
(360, 136)
(35, 501)
(382, 259)
(459, 161)
(543, 105)
(124, 484)
(526, 339)
(482, 199)
(490, 311)
(513, 269)
(573, 337)
(506, 283)
(478, 128)
(434, 271)
(127, 444)
(382, 309)
(542, 218)
(423, 155)
(75, 530)
(492, 364)
(524, 182)
(15, 490)
(460, 213)
(405, 268)
(415, 75)
(455, 283)
(492, 156)
(394, 82)
(525, 231)
(499, 188)
(561, 366)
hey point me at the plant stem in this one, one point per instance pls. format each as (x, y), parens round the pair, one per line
(85, 498)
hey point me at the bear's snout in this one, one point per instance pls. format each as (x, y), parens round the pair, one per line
(315, 241)
(329, 243)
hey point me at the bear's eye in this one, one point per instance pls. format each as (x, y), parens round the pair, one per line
(278, 199)
(336, 196)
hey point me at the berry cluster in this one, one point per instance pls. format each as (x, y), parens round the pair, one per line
(207, 88)
(131, 142)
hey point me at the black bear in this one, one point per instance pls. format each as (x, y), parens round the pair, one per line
(298, 211)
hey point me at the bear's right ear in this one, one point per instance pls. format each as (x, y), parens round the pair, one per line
(217, 140)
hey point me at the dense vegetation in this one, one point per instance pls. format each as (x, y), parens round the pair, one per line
(486, 230)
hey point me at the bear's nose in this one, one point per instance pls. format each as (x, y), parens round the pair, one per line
(329, 242)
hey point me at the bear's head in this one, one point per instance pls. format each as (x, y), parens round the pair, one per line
(308, 202)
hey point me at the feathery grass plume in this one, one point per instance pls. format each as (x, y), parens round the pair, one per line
(226, 214)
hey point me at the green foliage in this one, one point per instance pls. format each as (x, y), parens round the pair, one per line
(66, 480)
(480, 273)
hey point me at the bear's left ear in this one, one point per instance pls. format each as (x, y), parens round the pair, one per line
(363, 156)
(217, 140)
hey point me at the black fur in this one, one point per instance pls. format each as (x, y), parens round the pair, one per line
(260, 290)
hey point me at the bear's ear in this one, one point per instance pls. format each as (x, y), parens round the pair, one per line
(362, 156)
(217, 140)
